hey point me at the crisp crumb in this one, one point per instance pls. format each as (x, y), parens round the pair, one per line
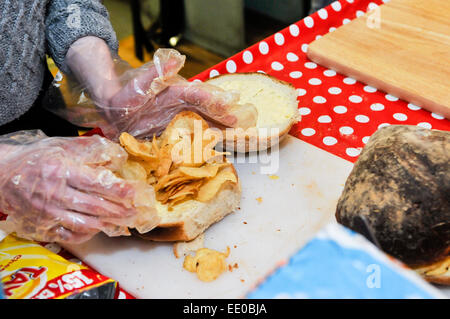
(245, 223)
(235, 265)
(278, 229)
(253, 173)
(259, 199)
(230, 268)
(242, 280)
(274, 177)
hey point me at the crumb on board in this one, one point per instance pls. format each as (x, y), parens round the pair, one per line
(235, 246)
(274, 177)
(245, 223)
(242, 280)
(182, 248)
(259, 199)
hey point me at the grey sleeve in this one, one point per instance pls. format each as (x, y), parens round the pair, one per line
(68, 20)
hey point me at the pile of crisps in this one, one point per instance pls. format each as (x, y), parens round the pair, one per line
(181, 164)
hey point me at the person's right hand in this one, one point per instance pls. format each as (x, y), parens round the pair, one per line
(62, 189)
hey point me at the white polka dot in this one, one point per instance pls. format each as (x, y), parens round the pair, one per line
(324, 119)
(279, 39)
(340, 109)
(377, 107)
(365, 139)
(400, 117)
(383, 125)
(359, 13)
(345, 21)
(198, 80)
(413, 107)
(336, 6)
(304, 111)
(277, 66)
(349, 81)
(309, 22)
(247, 56)
(308, 131)
(261, 71)
(329, 73)
(295, 74)
(318, 37)
(319, 99)
(314, 81)
(355, 99)
(213, 73)
(263, 47)
(329, 140)
(372, 6)
(334, 90)
(231, 66)
(437, 116)
(294, 30)
(390, 97)
(346, 130)
(292, 57)
(323, 14)
(362, 118)
(353, 152)
(370, 89)
(310, 65)
(350, 1)
(301, 92)
(332, 29)
(424, 125)
(305, 47)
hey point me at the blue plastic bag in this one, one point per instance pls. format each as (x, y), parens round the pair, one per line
(339, 263)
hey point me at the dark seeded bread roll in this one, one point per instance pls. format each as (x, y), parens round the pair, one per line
(400, 186)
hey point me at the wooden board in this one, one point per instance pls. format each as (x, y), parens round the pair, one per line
(291, 208)
(401, 47)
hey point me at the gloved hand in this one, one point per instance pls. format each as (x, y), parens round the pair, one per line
(63, 189)
(143, 101)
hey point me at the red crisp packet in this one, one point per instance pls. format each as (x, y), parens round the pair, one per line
(30, 271)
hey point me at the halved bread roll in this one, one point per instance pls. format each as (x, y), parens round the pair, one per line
(218, 195)
(191, 218)
(275, 101)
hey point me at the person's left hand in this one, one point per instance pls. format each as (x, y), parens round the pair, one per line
(142, 101)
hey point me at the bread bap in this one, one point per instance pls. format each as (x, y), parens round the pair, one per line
(275, 101)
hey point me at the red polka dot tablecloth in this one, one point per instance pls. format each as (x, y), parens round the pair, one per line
(339, 114)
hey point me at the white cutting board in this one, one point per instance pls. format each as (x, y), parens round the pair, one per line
(293, 208)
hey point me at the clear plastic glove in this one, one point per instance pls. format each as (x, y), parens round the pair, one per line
(140, 101)
(63, 189)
